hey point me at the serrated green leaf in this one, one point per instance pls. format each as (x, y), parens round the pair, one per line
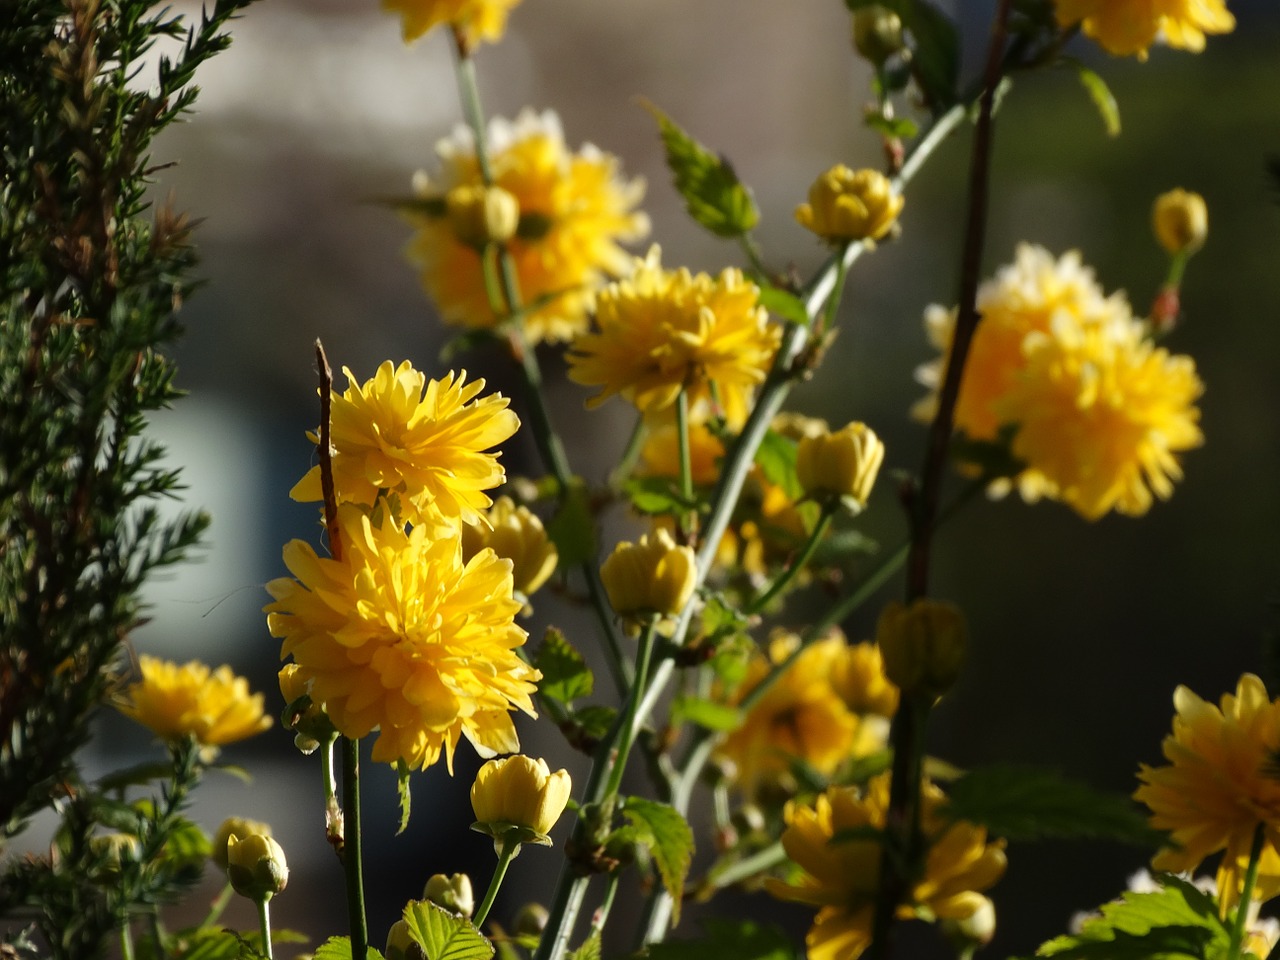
(572, 529)
(712, 192)
(1103, 99)
(443, 936)
(209, 945)
(565, 674)
(741, 940)
(784, 304)
(1024, 803)
(590, 949)
(655, 495)
(670, 841)
(776, 459)
(935, 46)
(720, 717)
(402, 792)
(595, 720)
(339, 948)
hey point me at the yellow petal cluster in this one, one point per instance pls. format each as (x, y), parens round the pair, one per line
(403, 637)
(522, 793)
(514, 533)
(847, 205)
(423, 440)
(842, 464)
(175, 701)
(1180, 220)
(662, 330)
(924, 645)
(818, 712)
(652, 577)
(841, 879)
(1219, 785)
(574, 209)
(1129, 27)
(475, 20)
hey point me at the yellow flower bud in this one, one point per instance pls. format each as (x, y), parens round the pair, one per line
(452, 893)
(517, 798)
(924, 645)
(237, 826)
(310, 724)
(115, 849)
(842, 464)
(654, 576)
(481, 215)
(975, 929)
(877, 33)
(516, 534)
(256, 866)
(401, 945)
(846, 205)
(1181, 221)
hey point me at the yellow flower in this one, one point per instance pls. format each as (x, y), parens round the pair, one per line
(924, 645)
(860, 680)
(514, 533)
(661, 330)
(423, 440)
(842, 878)
(801, 717)
(574, 210)
(237, 827)
(1180, 220)
(843, 464)
(519, 799)
(846, 205)
(1101, 415)
(175, 702)
(476, 20)
(654, 576)
(1129, 27)
(403, 637)
(1219, 785)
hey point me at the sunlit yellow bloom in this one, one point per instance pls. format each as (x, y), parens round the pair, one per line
(654, 576)
(660, 456)
(514, 533)
(476, 19)
(842, 878)
(176, 701)
(1180, 220)
(860, 680)
(1129, 27)
(924, 645)
(1219, 785)
(846, 205)
(661, 330)
(1102, 414)
(843, 464)
(520, 796)
(423, 440)
(801, 717)
(401, 636)
(575, 209)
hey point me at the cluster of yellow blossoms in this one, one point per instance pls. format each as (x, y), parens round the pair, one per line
(1130, 27)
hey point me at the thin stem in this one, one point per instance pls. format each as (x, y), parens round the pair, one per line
(126, 941)
(264, 924)
(1246, 894)
(601, 916)
(837, 294)
(799, 563)
(748, 867)
(326, 454)
(751, 250)
(630, 723)
(352, 856)
(510, 847)
(686, 458)
(469, 92)
(218, 906)
(627, 464)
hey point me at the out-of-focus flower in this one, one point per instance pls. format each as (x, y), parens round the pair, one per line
(574, 211)
(481, 215)
(401, 945)
(654, 577)
(518, 798)
(846, 205)
(454, 893)
(660, 455)
(1130, 27)
(659, 331)
(514, 533)
(1180, 220)
(924, 645)
(842, 878)
(768, 527)
(860, 680)
(1219, 786)
(176, 701)
(256, 866)
(423, 440)
(877, 33)
(403, 637)
(841, 464)
(235, 826)
(475, 20)
(802, 716)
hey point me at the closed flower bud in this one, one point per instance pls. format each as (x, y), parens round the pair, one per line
(842, 464)
(877, 33)
(846, 205)
(518, 798)
(515, 533)
(401, 945)
(924, 645)
(481, 215)
(531, 920)
(1181, 221)
(977, 929)
(235, 826)
(452, 893)
(651, 577)
(256, 866)
(115, 849)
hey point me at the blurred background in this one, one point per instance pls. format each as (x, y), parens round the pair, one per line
(1081, 631)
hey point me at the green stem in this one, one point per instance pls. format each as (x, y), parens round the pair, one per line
(799, 563)
(837, 294)
(493, 290)
(686, 458)
(601, 916)
(264, 924)
(469, 92)
(751, 250)
(351, 854)
(126, 941)
(626, 465)
(1246, 894)
(630, 721)
(218, 906)
(748, 867)
(1177, 266)
(510, 847)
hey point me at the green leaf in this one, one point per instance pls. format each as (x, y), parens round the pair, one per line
(741, 940)
(402, 791)
(670, 841)
(588, 726)
(572, 529)
(776, 458)
(339, 948)
(185, 842)
(1103, 99)
(565, 674)
(1024, 803)
(210, 945)
(901, 128)
(655, 495)
(706, 713)
(590, 949)
(784, 304)
(443, 936)
(935, 47)
(712, 192)
(841, 547)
